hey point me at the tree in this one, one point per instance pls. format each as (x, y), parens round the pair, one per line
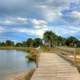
(19, 44)
(2, 44)
(9, 43)
(29, 42)
(24, 43)
(37, 42)
(50, 38)
(60, 41)
(71, 40)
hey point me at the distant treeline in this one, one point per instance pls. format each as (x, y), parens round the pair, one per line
(50, 39)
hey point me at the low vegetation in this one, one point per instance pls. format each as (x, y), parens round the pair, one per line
(33, 46)
(50, 39)
(50, 43)
(33, 56)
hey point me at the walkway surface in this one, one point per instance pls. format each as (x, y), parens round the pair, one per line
(53, 67)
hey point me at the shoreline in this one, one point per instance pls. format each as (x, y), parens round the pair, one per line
(32, 51)
(25, 75)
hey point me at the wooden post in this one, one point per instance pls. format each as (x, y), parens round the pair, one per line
(75, 54)
(37, 61)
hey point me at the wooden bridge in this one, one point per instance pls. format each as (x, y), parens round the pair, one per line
(53, 67)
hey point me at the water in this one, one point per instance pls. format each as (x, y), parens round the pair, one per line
(12, 61)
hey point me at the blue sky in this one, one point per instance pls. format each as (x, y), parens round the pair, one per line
(21, 19)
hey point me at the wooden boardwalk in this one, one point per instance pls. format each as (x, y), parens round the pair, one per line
(53, 67)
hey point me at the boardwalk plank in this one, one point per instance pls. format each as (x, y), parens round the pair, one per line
(53, 67)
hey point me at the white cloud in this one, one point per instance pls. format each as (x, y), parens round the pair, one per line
(44, 10)
(72, 18)
(1, 29)
(50, 12)
(40, 32)
(21, 20)
(36, 31)
(74, 28)
(13, 20)
(75, 14)
(40, 26)
(39, 22)
(6, 22)
(24, 30)
(65, 31)
(51, 15)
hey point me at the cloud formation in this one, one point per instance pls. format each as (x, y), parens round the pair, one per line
(34, 17)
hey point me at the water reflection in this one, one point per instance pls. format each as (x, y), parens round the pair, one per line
(12, 61)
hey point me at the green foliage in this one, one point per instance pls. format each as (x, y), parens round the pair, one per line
(50, 38)
(37, 42)
(45, 48)
(9, 43)
(60, 41)
(29, 42)
(19, 45)
(2, 44)
(24, 43)
(71, 40)
(53, 40)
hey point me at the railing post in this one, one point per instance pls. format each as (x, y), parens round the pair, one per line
(75, 55)
(37, 61)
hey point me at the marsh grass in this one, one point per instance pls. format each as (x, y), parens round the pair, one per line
(78, 51)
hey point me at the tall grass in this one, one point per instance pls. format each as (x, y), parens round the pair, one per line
(78, 51)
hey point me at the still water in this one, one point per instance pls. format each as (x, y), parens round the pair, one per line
(12, 61)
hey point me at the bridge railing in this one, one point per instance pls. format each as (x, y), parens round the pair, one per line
(71, 54)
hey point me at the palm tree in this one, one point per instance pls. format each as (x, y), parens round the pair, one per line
(60, 41)
(71, 40)
(50, 38)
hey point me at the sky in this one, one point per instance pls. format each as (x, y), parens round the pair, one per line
(23, 19)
